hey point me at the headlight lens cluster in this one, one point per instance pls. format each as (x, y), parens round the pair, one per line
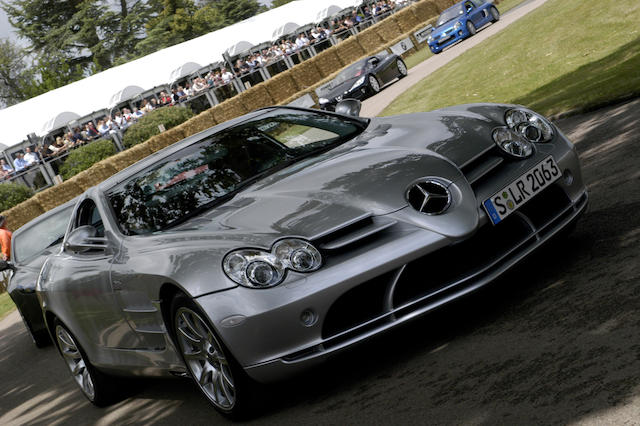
(457, 26)
(323, 101)
(358, 82)
(532, 126)
(256, 268)
(524, 128)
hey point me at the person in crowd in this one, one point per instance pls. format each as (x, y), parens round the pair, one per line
(77, 136)
(226, 76)
(199, 84)
(154, 104)
(165, 98)
(5, 240)
(90, 131)
(19, 163)
(137, 113)
(355, 18)
(5, 169)
(30, 157)
(103, 127)
(302, 41)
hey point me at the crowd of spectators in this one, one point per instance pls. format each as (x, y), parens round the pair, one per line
(121, 120)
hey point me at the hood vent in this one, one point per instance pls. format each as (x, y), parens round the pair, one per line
(429, 196)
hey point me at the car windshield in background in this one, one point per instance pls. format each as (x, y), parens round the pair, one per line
(348, 73)
(208, 172)
(450, 14)
(37, 238)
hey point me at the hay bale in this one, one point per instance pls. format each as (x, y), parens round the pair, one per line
(370, 40)
(406, 20)
(57, 195)
(22, 213)
(328, 61)
(281, 86)
(441, 5)
(424, 10)
(95, 174)
(388, 29)
(169, 137)
(306, 74)
(194, 125)
(231, 108)
(124, 159)
(350, 51)
(256, 97)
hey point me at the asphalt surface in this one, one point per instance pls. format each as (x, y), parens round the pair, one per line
(554, 341)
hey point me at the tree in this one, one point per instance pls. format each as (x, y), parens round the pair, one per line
(14, 72)
(278, 3)
(171, 26)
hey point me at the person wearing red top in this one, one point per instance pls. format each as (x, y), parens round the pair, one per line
(5, 239)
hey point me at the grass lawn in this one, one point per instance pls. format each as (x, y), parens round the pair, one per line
(566, 54)
(6, 304)
(424, 52)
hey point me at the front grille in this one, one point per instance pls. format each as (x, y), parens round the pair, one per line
(437, 275)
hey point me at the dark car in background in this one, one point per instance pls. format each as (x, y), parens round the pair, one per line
(30, 246)
(460, 21)
(362, 79)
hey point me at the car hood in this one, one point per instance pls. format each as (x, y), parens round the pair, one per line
(367, 175)
(331, 91)
(438, 31)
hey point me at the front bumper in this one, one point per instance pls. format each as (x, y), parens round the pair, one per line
(381, 283)
(455, 37)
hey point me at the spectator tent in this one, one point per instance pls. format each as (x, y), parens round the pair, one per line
(94, 93)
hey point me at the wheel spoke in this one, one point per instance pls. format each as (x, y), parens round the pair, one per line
(190, 326)
(187, 336)
(222, 384)
(205, 374)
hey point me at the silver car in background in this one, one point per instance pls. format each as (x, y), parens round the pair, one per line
(266, 244)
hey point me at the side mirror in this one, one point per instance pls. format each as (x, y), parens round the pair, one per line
(83, 239)
(4, 265)
(349, 107)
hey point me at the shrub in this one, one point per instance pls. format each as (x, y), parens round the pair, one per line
(147, 126)
(12, 194)
(86, 156)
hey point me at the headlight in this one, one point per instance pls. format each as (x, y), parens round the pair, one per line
(256, 268)
(323, 101)
(512, 142)
(430, 39)
(358, 82)
(534, 127)
(457, 26)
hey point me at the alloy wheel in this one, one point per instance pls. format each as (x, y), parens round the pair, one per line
(402, 68)
(75, 361)
(373, 83)
(205, 359)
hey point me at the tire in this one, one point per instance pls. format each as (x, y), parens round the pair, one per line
(210, 364)
(471, 28)
(39, 338)
(97, 387)
(374, 85)
(495, 15)
(402, 68)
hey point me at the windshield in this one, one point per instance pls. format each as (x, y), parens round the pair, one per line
(210, 171)
(450, 14)
(46, 233)
(348, 73)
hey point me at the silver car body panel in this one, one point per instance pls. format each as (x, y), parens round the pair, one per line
(350, 202)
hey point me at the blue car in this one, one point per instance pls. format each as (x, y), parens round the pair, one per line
(461, 21)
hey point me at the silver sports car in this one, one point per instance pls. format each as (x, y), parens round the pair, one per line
(266, 244)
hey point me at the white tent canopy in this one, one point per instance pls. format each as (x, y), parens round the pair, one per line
(327, 12)
(125, 94)
(94, 93)
(57, 122)
(239, 47)
(184, 70)
(284, 30)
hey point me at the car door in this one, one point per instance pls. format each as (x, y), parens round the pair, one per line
(84, 293)
(474, 14)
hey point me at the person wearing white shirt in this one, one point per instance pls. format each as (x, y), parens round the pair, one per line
(30, 157)
(226, 76)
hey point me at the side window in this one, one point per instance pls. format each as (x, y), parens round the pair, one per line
(88, 215)
(468, 6)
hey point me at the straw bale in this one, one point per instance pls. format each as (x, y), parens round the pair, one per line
(424, 10)
(388, 29)
(350, 51)
(169, 137)
(370, 40)
(94, 175)
(124, 159)
(196, 124)
(406, 19)
(441, 5)
(306, 73)
(22, 213)
(256, 97)
(328, 61)
(281, 86)
(231, 108)
(57, 195)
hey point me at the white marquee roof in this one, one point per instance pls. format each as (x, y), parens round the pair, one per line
(94, 93)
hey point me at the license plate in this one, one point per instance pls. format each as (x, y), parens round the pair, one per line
(513, 196)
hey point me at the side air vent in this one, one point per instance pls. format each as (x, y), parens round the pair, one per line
(429, 196)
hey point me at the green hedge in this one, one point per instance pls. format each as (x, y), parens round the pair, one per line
(12, 194)
(147, 126)
(86, 156)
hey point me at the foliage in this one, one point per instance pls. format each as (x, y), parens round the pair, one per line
(6, 304)
(278, 3)
(531, 63)
(12, 194)
(147, 126)
(86, 156)
(13, 74)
